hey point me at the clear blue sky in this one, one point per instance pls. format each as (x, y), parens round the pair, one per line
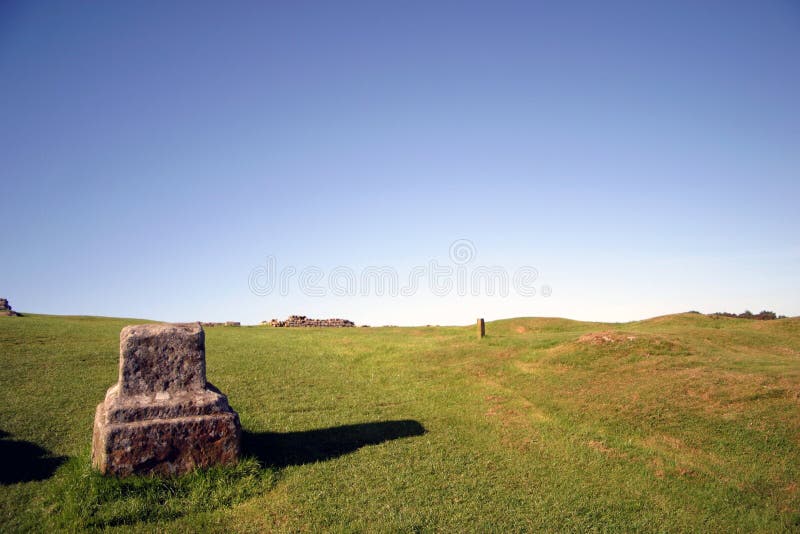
(644, 157)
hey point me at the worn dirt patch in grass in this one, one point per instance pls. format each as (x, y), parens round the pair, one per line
(599, 446)
(601, 338)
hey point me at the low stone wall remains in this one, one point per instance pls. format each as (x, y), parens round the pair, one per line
(303, 321)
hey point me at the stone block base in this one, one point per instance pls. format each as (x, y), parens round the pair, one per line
(206, 433)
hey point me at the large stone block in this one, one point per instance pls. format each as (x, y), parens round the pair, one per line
(162, 358)
(162, 416)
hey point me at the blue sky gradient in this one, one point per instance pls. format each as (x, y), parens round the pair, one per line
(645, 158)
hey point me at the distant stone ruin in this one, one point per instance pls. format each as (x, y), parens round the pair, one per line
(763, 315)
(162, 416)
(303, 321)
(5, 309)
(226, 323)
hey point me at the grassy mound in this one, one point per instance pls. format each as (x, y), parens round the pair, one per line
(683, 422)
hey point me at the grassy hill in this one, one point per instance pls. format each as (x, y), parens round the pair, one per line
(677, 423)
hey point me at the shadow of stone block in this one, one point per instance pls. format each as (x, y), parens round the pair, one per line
(276, 449)
(24, 461)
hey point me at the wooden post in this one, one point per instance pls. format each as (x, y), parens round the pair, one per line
(481, 329)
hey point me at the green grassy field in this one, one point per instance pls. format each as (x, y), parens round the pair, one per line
(678, 423)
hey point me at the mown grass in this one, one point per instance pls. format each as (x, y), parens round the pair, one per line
(678, 423)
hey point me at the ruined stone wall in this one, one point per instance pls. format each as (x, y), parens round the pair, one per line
(303, 321)
(5, 309)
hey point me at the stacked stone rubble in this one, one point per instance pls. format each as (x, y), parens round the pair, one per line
(5, 309)
(303, 321)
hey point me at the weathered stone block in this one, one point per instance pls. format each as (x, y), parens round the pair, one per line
(163, 417)
(157, 358)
